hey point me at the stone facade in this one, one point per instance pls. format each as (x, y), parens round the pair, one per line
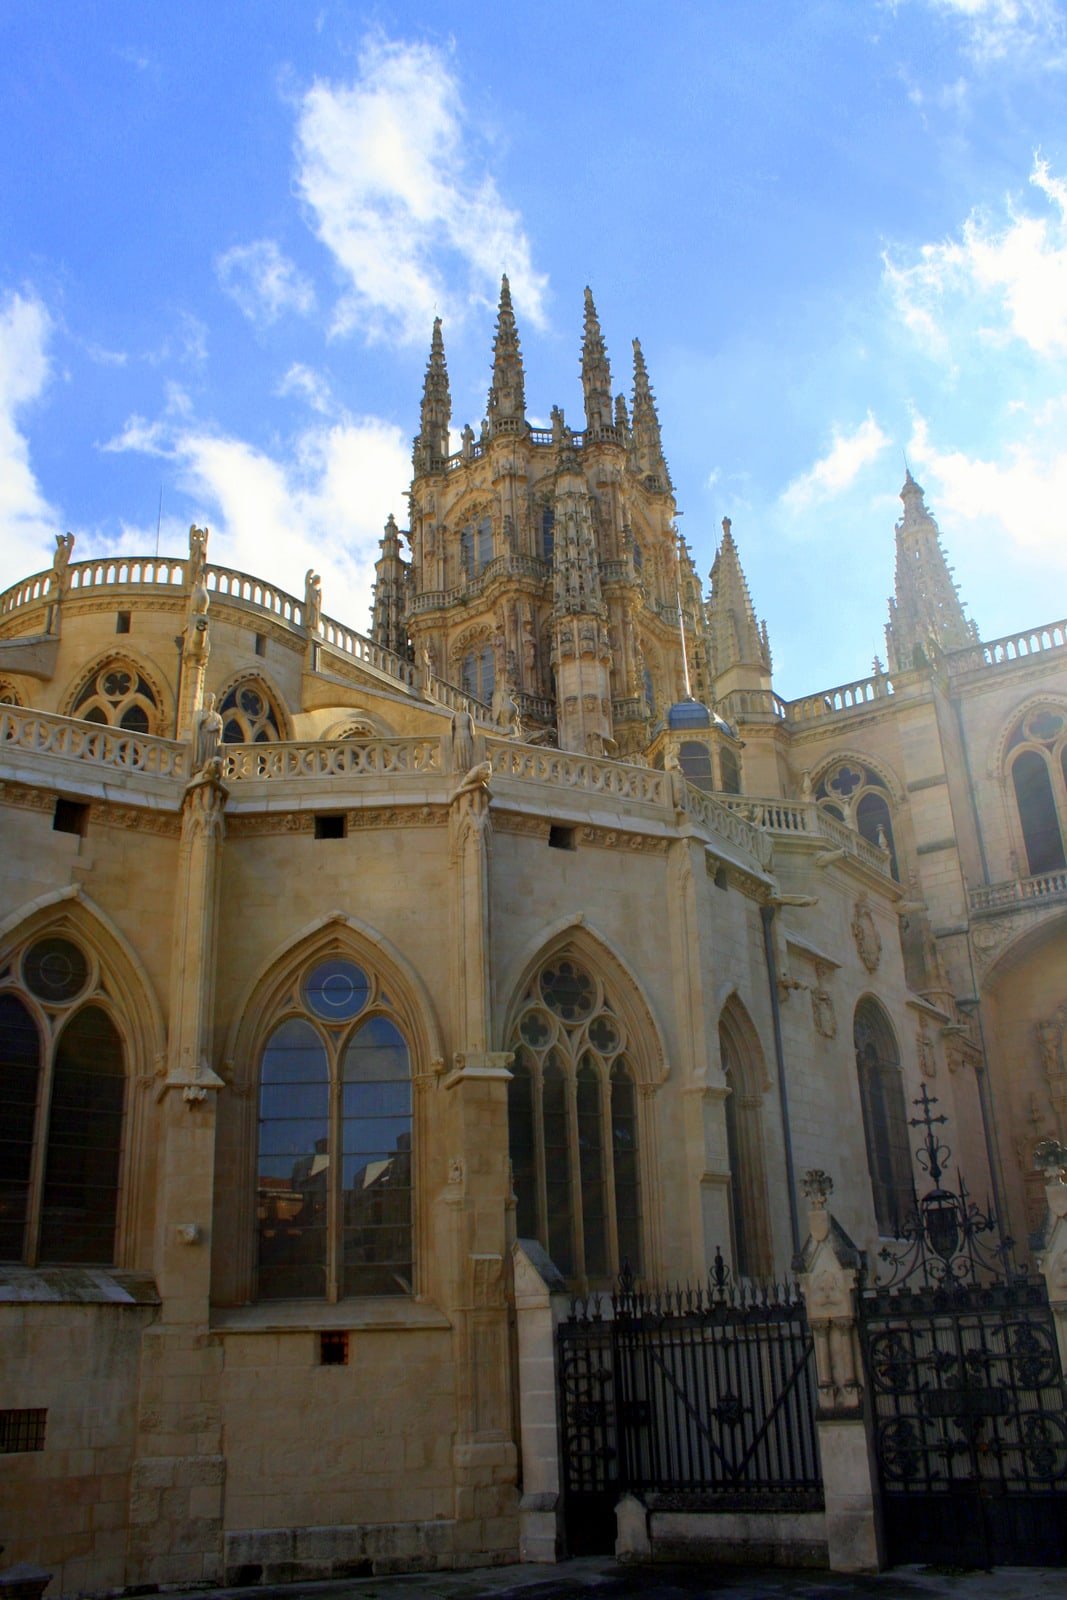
(618, 944)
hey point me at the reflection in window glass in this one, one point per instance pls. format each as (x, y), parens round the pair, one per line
(591, 1171)
(624, 1156)
(293, 1163)
(337, 990)
(376, 1151)
(1037, 813)
(557, 1166)
(81, 1183)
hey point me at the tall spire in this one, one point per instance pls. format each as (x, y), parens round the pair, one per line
(926, 608)
(596, 373)
(387, 615)
(647, 442)
(737, 640)
(507, 393)
(431, 444)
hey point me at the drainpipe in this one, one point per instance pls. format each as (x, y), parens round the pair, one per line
(767, 918)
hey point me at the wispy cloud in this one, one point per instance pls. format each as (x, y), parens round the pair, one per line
(1014, 501)
(317, 503)
(311, 386)
(995, 30)
(1006, 278)
(27, 521)
(263, 281)
(839, 468)
(395, 176)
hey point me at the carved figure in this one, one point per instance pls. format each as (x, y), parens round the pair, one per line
(462, 741)
(478, 777)
(312, 600)
(208, 734)
(198, 538)
(61, 560)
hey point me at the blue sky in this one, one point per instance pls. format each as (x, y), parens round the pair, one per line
(839, 228)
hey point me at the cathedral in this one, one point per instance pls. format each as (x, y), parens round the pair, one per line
(358, 989)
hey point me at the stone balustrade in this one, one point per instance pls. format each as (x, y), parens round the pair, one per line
(332, 758)
(502, 566)
(1012, 647)
(1043, 886)
(726, 822)
(742, 704)
(43, 734)
(796, 818)
(571, 771)
(846, 697)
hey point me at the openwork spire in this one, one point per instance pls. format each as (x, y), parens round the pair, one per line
(390, 574)
(736, 638)
(926, 609)
(596, 373)
(431, 445)
(647, 441)
(507, 393)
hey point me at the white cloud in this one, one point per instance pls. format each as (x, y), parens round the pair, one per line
(836, 471)
(1015, 502)
(263, 281)
(323, 504)
(27, 522)
(996, 281)
(997, 29)
(388, 166)
(311, 385)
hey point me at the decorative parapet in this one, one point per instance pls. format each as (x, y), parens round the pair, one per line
(321, 758)
(1012, 647)
(746, 705)
(1012, 892)
(502, 566)
(88, 742)
(793, 819)
(846, 697)
(594, 776)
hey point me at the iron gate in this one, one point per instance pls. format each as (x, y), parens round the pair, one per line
(967, 1395)
(694, 1399)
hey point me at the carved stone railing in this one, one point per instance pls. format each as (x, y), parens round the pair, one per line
(795, 818)
(536, 706)
(742, 704)
(572, 771)
(44, 734)
(846, 697)
(1043, 886)
(253, 592)
(115, 572)
(726, 822)
(323, 758)
(1012, 647)
(508, 565)
(446, 694)
(362, 649)
(633, 708)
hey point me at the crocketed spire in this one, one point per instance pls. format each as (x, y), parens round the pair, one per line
(596, 373)
(647, 441)
(926, 608)
(431, 444)
(507, 394)
(737, 640)
(389, 592)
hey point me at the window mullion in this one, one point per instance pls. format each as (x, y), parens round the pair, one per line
(607, 1145)
(41, 1123)
(577, 1218)
(537, 1097)
(334, 1240)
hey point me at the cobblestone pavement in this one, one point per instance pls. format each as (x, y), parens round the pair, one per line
(602, 1579)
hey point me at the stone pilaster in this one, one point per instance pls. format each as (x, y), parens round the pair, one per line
(176, 1484)
(828, 1281)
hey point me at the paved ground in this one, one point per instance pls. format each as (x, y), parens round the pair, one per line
(598, 1578)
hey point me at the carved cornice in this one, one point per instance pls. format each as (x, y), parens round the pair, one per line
(245, 825)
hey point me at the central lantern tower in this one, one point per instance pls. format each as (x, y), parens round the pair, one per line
(545, 576)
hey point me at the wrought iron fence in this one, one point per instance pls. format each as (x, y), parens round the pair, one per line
(692, 1398)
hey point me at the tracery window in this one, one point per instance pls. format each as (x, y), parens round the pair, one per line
(859, 796)
(334, 1200)
(694, 759)
(730, 768)
(1037, 753)
(476, 546)
(548, 532)
(573, 1125)
(249, 716)
(478, 673)
(62, 1089)
(119, 696)
(885, 1122)
(8, 695)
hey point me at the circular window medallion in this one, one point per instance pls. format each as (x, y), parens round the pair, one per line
(55, 970)
(567, 991)
(337, 990)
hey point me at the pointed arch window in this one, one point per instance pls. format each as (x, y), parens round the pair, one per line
(249, 715)
(334, 1186)
(885, 1120)
(478, 673)
(476, 546)
(118, 695)
(749, 1214)
(858, 796)
(573, 1125)
(1038, 765)
(63, 1089)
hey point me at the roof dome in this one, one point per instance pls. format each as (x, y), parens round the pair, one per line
(688, 713)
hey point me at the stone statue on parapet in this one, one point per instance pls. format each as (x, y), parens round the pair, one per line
(476, 780)
(194, 570)
(61, 561)
(208, 734)
(312, 600)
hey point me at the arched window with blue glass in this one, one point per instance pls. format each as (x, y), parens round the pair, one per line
(334, 1174)
(1036, 759)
